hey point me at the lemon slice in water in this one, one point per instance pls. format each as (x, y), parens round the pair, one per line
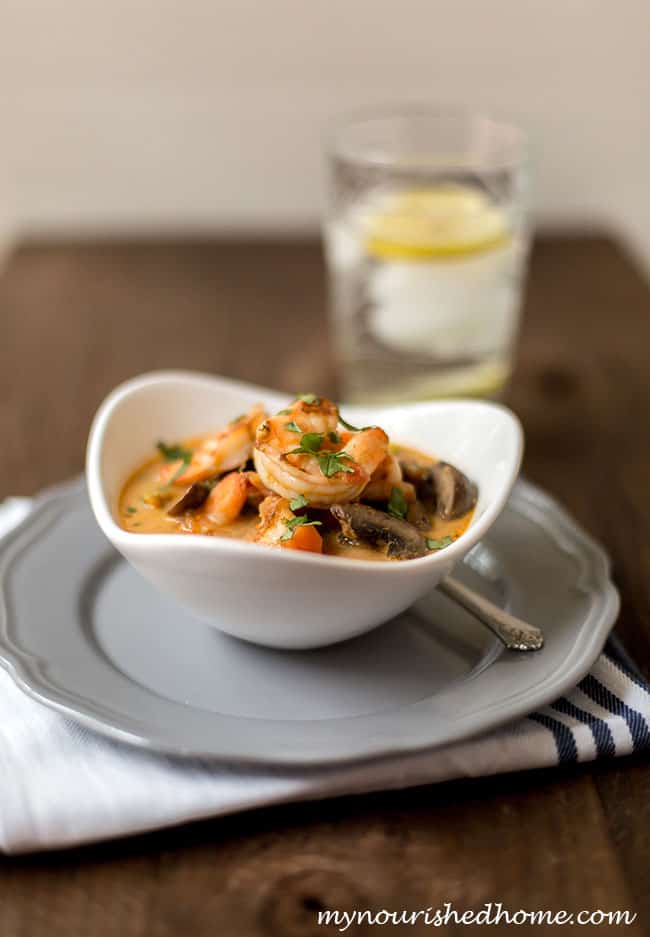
(435, 222)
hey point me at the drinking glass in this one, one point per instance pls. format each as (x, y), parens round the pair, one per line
(426, 242)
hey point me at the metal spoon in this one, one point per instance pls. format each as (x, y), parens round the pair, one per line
(516, 635)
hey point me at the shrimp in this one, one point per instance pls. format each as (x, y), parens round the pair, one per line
(274, 513)
(388, 475)
(276, 528)
(300, 452)
(226, 500)
(221, 452)
(256, 490)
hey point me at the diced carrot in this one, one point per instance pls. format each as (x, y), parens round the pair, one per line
(305, 538)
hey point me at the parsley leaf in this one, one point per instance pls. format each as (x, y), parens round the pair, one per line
(310, 443)
(439, 544)
(309, 398)
(330, 463)
(397, 505)
(301, 521)
(283, 412)
(353, 429)
(333, 436)
(131, 510)
(299, 502)
(174, 454)
(292, 427)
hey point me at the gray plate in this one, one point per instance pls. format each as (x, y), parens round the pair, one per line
(82, 632)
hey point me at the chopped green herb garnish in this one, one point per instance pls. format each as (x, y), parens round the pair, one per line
(353, 429)
(174, 454)
(310, 443)
(330, 463)
(309, 398)
(131, 510)
(397, 505)
(136, 524)
(333, 436)
(301, 521)
(283, 412)
(299, 502)
(292, 427)
(439, 544)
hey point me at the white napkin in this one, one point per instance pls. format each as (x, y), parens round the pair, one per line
(62, 785)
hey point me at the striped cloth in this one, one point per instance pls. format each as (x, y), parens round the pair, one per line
(607, 714)
(62, 785)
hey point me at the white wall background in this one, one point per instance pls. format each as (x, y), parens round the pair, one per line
(137, 114)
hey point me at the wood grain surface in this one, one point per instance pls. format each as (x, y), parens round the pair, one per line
(77, 319)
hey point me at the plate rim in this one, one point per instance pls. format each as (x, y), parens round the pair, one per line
(29, 673)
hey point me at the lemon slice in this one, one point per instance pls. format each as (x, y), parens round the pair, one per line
(481, 380)
(440, 221)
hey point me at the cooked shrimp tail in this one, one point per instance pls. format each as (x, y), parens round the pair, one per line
(300, 453)
(226, 500)
(218, 453)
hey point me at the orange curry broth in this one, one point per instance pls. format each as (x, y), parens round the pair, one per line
(137, 514)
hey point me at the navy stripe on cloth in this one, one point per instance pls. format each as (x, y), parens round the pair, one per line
(599, 729)
(633, 675)
(635, 721)
(565, 743)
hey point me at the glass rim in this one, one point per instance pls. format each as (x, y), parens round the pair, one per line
(337, 148)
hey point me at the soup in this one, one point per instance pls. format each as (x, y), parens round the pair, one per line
(301, 479)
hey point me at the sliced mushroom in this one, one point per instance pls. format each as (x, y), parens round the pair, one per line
(452, 492)
(361, 522)
(455, 493)
(420, 475)
(192, 498)
(417, 515)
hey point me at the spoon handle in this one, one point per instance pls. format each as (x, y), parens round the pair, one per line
(516, 635)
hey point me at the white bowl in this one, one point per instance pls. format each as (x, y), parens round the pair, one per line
(284, 598)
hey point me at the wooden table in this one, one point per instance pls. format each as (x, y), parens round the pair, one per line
(76, 319)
